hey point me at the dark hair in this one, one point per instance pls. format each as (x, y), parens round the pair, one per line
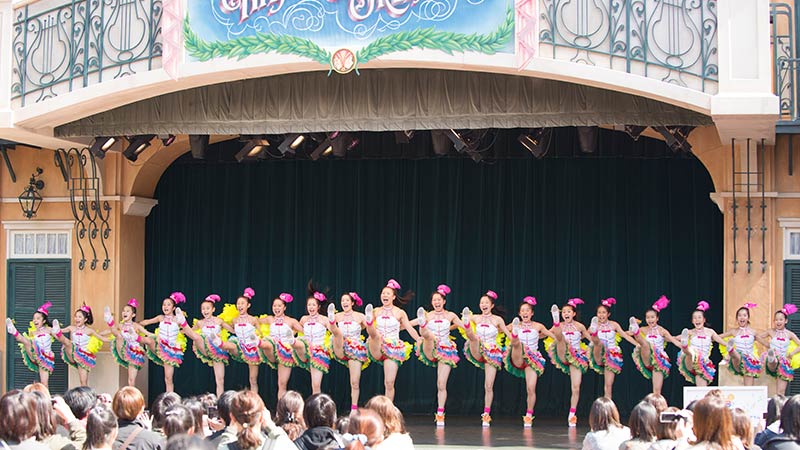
(653, 310)
(320, 411)
(224, 406)
(368, 423)
(643, 422)
(128, 403)
(87, 314)
(17, 416)
(188, 442)
(774, 406)
(658, 401)
(100, 423)
(45, 318)
(790, 417)
(401, 300)
(572, 307)
(197, 409)
(178, 419)
(342, 424)
(313, 288)
(160, 406)
(390, 414)
(247, 408)
(45, 416)
(742, 427)
(603, 414)
(607, 308)
(668, 430)
(289, 414)
(80, 400)
(713, 422)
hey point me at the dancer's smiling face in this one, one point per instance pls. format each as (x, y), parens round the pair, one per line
(278, 307)
(168, 306)
(79, 318)
(312, 306)
(437, 301)
(347, 303)
(38, 319)
(743, 317)
(486, 304)
(242, 305)
(651, 318)
(698, 319)
(207, 309)
(568, 313)
(780, 320)
(525, 312)
(388, 296)
(603, 314)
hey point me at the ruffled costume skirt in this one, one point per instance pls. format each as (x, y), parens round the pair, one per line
(574, 356)
(354, 350)
(783, 370)
(491, 354)
(40, 360)
(319, 357)
(209, 353)
(284, 354)
(530, 357)
(659, 362)
(610, 359)
(166, 354)
(250, 354)
(391, 349)
(445, 351)
(701, 367)
(749, 365)
(78, 358)
(130, 356)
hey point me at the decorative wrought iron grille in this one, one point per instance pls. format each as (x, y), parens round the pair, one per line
(784, 58)
(672, 40)
(82, 42)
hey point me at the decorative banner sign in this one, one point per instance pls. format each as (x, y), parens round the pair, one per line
(342, 34)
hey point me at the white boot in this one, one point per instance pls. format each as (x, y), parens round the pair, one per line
(12, 330)
(633, 325)
(331, 313)
(515, 327)
(368, 313)
(554, 311)
(421, 317)
(684, 337)
(56, 330)
(466, 316)
(593, 326)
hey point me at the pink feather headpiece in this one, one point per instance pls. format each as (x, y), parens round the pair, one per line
(661, 303)
(213, 298)
(393, 284)
(45, 308)
(443, 289)
(249, 293)
(286, 297)
(702, 305)
(356, 298)
(530, 300)
(85, 308)
(320, 296)
(133, 303)
(178, 297)
(789, 309)
(749, 305)
(574, 302)
(491, 294)
(609, 302)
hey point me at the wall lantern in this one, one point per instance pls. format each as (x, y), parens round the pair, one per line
(30, 199)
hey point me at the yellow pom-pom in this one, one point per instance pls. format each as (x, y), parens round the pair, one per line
(194, 323)
(723, 349)
(263, 329)
(31, 329)
(501, 338)
(94, 345)
(182, 341)
(229, 313)
(795, 362)
(224, 335)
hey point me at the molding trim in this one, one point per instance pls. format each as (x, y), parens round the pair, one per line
(34, 225)
(138, 206)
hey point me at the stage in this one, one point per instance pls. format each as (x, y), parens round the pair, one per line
(505, 432)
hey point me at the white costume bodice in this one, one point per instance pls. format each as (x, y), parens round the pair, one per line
(314, 332)
(487, 332)
(529, 338)
(607, 335)
(388, 325)
(211, 330)
(245, 332)
(349, 327)
(654, 337)
(129, 334)
(780, 342)
(80, 338)
(571, 334)
(440, 329)
(744, 341)
(281, 331)
(44, 340)
(168, 331)
(701, 343)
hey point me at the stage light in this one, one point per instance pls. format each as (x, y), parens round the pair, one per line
(457, 139)
(587, 139)
(403, 137)
(291, 143)
(324, 149)
(166, 139)
(198, 143)
(343, 143)
(253, 148)
(676, 137)
(440, 143)
(635, 131)
(136, 145)
(101, 145)
(536, 141)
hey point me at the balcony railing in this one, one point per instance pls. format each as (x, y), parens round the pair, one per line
(61, 48)
(785, 60)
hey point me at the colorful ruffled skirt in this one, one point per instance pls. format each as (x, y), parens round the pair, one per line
(354, 350)
(248, 353)
(701, 367)
(318, 357)
(574, 356)
(78, 358)
(166, 354)
(40, 360)
(611, 360)
(783, 370)
(445, 351)
(659, 361)
(391, 349)
(491, 354)
(530, 357)
(749, 365)
(131, 355)
(209, 353)
(284, 354)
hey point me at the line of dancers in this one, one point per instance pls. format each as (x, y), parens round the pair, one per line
(491, 344)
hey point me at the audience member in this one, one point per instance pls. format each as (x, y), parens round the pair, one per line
(319, 413)
(289, 414)
(713, 425)
(673, 430)
(18, 422)
(228, 433)
(159, 408)
(133, 433)
(178, 419)
(255, 429)
(189, 442)
(80, 400)
(607, 433)
(364, 430)
(789, 439)
(743, 429)
(47, 421)
(773, 420)
(394, 428)
(101, 429)
(642, 423)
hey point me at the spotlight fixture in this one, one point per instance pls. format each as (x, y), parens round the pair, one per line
(635, 131)
(324, 149)
(587, 139)
(467, 141)
(343, 144)
(198, 143)
(166, 139)
(536, 141)
(676, 137)
(291, 142)
(101, 145)
(137, 144)
(440, 143)
(253, 148)
(30, 199)
(403, 137)
(457, 139)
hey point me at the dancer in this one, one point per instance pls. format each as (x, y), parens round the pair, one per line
(485, 347)
(348, 342)
(313, 349)
(245, 345)
(437, 348)
(650, 357)
(741, 347)
(384, 345)
(167, 348)
(695, 363)
(567, 352)
(606, 355)
(36, 344)
(207, 334)
(278, 344)
(80, 351)
(780, 359)
(523, 359)
(127, 340)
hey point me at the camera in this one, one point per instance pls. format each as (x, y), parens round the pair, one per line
(672, 416)
(212, 412)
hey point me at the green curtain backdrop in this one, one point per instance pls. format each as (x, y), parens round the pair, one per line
(552, 228)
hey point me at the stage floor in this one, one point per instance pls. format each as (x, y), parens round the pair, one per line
(505, 432)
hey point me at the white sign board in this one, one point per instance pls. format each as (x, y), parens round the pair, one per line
(752, 399)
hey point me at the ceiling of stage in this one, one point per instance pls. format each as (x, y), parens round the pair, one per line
(379, 100)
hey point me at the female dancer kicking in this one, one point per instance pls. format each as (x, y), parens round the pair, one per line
(312, 350)
(695, 363)
(484, 348)
(524, 360)
(245, 345)
(168, 347)
(779, 359)
(567, 352)
(278, 345)
(206, 334)
(650, 358)
(79, 351)
(348, 342)
(128, 336)
(437, 348)
(36, 345)
(384, 345)
(606, 355)
(742, 359)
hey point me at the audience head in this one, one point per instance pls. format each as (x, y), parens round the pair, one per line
(289, 414)
(178, 419)
(668, 429)
(774, 408)
(128, 403)
(342, 424)
(248, 409)
(658, 401)
(643, 422)
(188, 442)
(320, 411)
(790, 417)
(742, 427)
(80, 400)
(198, 410)
(224, 406)
(17, 416)
(45, 416)
(160, 406)
(38, 387)
(101, 428)
(391, 416)
(713, 422)
(603, 414)
(364, 430)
